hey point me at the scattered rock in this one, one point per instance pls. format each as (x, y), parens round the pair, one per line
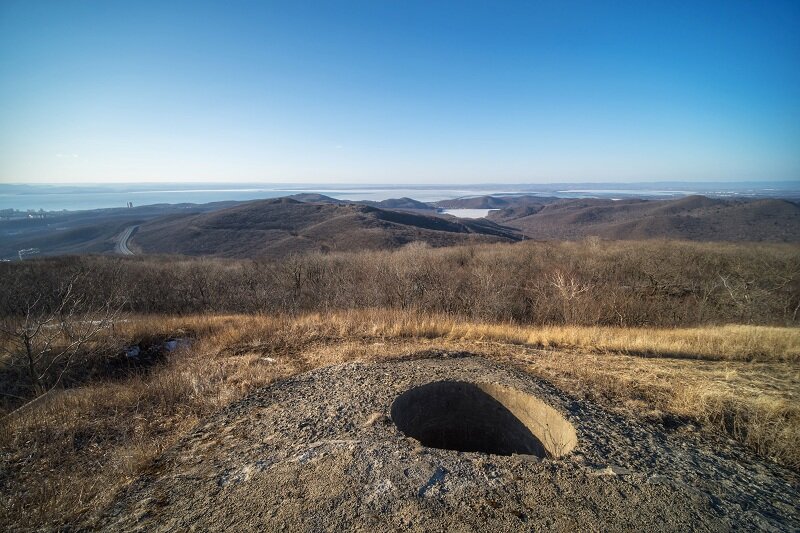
(612, 470)
(436, 478)
(148, 353)
(377, 418)
(133, 351)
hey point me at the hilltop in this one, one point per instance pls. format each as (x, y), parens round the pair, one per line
(402, 204)
(165, 413)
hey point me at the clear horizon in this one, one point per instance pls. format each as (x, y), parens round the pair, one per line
(366, 93)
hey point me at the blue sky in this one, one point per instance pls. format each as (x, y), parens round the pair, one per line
(398, 91)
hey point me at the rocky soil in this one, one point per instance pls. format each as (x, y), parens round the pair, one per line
(320, 452)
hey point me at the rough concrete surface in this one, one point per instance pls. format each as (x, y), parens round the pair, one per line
(319, 452)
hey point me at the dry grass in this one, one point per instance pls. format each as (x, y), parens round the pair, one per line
(717, 343)
(67, 457)
(756, 403)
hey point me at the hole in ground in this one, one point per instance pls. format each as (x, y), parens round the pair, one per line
(482, 417)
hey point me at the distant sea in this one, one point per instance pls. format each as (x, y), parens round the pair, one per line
(97, 196)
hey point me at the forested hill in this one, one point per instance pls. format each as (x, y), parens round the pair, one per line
(280, 227)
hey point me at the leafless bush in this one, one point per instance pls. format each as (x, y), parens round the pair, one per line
(650, 283)
(47, 327)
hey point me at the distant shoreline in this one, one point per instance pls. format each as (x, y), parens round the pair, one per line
(57, 198)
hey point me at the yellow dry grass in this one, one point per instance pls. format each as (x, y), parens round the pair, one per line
(66, 458)
(718, 343)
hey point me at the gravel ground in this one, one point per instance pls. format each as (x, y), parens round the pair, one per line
(319, 452)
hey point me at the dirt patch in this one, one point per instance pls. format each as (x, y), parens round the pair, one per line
(325, 451)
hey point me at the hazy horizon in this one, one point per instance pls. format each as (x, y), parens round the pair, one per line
(56, 197)
(408, 93)
(307, 184)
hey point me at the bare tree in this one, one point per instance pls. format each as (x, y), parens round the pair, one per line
(48, 327)
(568, 289)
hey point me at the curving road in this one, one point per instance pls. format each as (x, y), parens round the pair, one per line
(122, 242)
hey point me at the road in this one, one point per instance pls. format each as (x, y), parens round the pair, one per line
(122, 241)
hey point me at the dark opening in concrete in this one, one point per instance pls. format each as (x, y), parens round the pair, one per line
(456, 415)
(482, 417)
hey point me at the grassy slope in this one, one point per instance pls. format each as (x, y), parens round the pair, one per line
(66, 458)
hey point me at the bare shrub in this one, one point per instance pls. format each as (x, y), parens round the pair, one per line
(43, 332)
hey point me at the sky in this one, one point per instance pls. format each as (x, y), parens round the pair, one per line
(398, 92)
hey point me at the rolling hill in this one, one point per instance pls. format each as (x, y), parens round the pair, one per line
(476, 202)
(400, 203)
(695, 218)
(403, 204)
(313, 222)
(279, 227)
